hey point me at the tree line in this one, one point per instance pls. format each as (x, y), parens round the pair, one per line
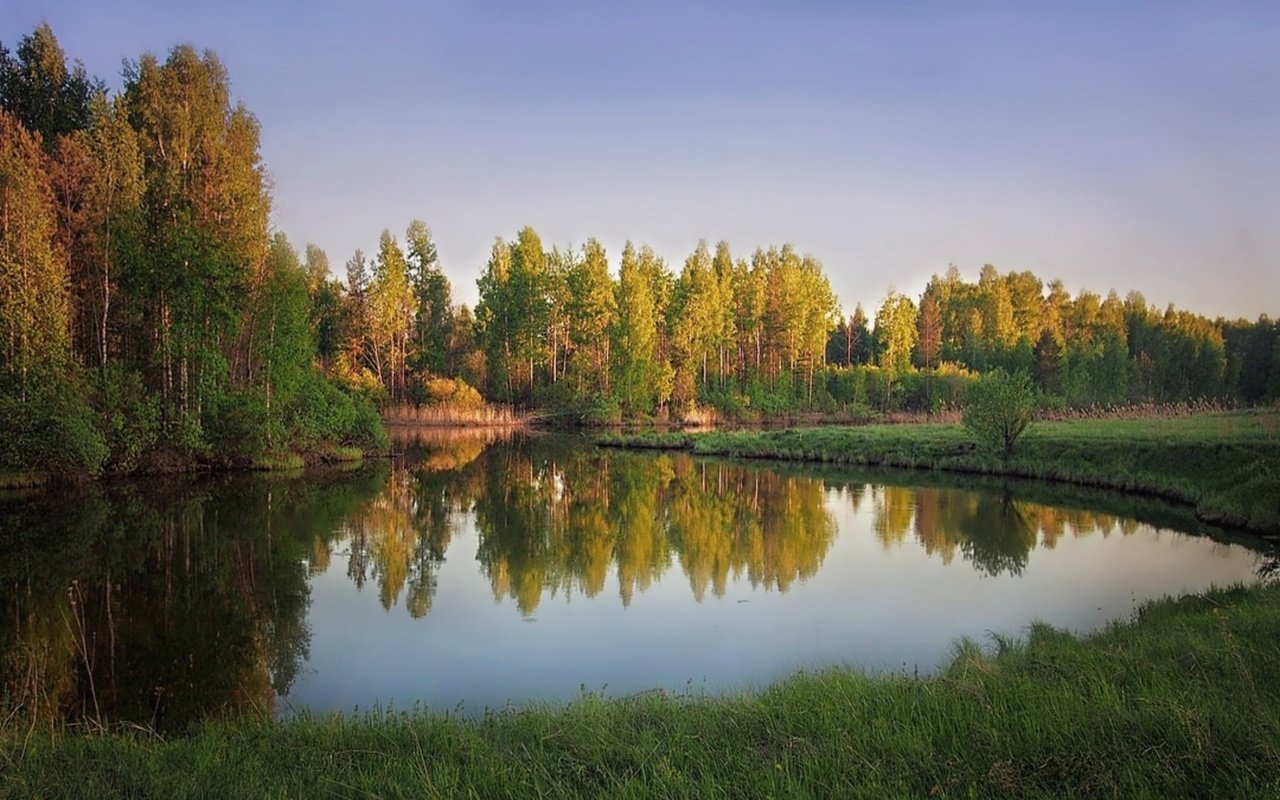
(558, 330)
(146, 306)
(146, 309)
(1081, 351)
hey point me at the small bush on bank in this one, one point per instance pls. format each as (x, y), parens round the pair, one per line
(322, 412)
(998, 408)
(366, 429)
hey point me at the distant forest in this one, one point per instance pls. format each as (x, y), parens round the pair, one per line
(146, 307)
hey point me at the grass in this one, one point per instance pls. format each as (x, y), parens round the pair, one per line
(334, 454)
(453, 415)
(1181, 701)
(276, 460)
(1225, 465)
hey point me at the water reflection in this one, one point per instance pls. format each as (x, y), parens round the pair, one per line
(993, 531)
(166, 603)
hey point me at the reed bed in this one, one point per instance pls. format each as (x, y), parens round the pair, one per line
(448, 415)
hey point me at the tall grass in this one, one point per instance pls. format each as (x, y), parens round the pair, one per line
(446, 414)
(1181, 701)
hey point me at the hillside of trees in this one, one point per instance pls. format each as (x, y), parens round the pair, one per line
(149, 315)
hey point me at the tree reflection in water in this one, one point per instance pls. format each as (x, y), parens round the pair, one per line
(992, 530)
(164, 603)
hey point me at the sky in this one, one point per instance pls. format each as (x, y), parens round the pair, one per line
(1109, 144)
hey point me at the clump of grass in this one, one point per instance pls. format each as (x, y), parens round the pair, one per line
(276, 460)
(335, 454)
(647, 440)
(1178, 702)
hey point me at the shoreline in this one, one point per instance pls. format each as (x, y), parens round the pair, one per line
(1231, 481)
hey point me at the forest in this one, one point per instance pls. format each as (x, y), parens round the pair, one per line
(151, 318)
(148, 316)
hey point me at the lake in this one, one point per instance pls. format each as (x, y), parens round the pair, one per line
(475, 571)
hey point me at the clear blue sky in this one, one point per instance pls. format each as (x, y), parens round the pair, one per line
(1113, 145)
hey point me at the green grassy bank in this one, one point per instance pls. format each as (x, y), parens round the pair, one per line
(1182, 701)
(1227, 466)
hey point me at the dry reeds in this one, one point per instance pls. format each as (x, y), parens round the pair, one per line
(448, 415)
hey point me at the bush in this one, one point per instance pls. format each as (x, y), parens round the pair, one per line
(49, 427)
(322, 412)
(235, 424)
(366, 431)
(453, 392)
(128, 418)
(998, 408)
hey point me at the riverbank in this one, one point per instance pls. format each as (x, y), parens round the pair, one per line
(1225, 465)
(1179, 701)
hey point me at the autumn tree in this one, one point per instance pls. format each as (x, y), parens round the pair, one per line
(930, 332)
(35, 308)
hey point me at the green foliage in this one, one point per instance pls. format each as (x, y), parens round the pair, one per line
(129, 417)
(236, 424)
(998, 408)
(896, 332)
(45, 424)
(366, 431)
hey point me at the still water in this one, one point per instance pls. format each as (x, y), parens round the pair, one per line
(473, 572)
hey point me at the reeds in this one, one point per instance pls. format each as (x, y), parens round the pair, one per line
(449, 415)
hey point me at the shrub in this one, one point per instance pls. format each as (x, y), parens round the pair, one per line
(235, 424)
(998, 408)
(129, 418)
(322, 412)
(366, 431)
(49, 426)
(453, 392)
